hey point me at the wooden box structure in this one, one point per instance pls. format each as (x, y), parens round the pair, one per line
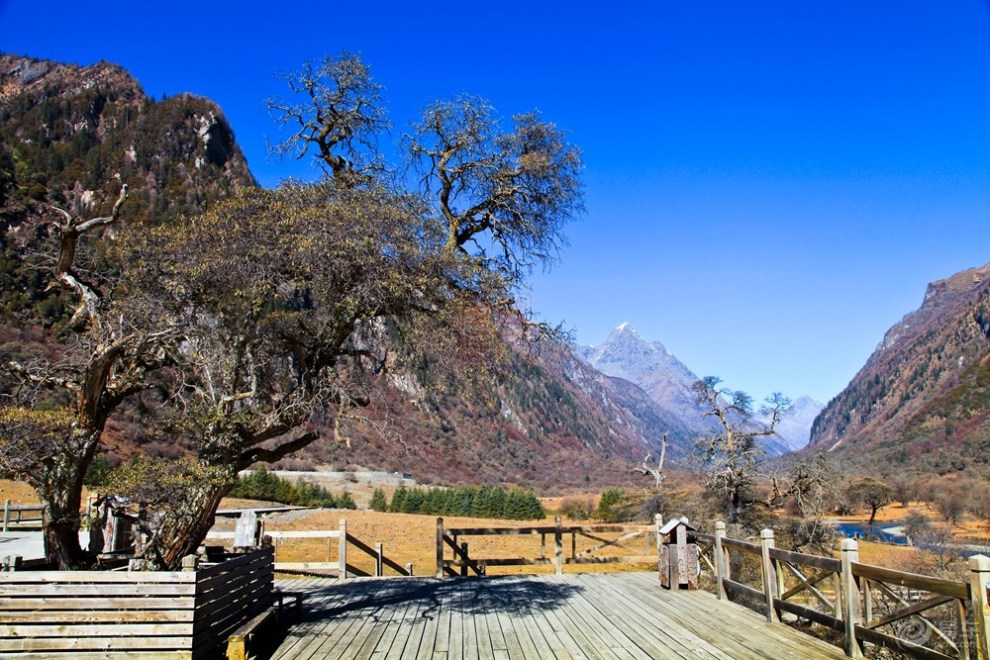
(110, 614)
(679, 560)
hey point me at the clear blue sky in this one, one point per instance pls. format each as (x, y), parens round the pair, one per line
(770, 184)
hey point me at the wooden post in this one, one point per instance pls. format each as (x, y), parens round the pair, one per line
(769, 574)
(979, 577)
(721, 561)
(464, 559)
(409, 570)
(682, 565)
(439, 547)
(342, 549)
(658, 523)
(13, 562)
(6, 515)
(558, 543)
(190, 563)
(850, 596)
(378, 560)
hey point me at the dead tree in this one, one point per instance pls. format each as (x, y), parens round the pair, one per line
(656, 472)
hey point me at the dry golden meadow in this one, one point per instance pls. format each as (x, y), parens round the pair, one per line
(411, 538)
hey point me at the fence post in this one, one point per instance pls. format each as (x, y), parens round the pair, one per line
(979, 577)
(439, 547)
(378, 560)
(190, 563)
(558, 543)
(850, 596)
(409, 569)
(657, 526)
(720, 561)
(342, 549)
(464, 558)
(6, 515)
(769, 573)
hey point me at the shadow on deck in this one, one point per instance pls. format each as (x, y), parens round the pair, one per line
(617, 615)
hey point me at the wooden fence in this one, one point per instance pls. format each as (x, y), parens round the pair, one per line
(462, 562)
(117, 614)
(914, 615)
(335, 560)
(21, 516)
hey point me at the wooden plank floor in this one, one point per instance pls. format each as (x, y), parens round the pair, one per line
(613, 616)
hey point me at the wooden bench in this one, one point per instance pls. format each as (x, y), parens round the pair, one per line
(237, 643)
(282, 595)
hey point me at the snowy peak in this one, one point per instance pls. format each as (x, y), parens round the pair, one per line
(795, 428)
(625, 354)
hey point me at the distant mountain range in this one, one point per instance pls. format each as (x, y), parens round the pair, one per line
(668, 382)
(922, 401)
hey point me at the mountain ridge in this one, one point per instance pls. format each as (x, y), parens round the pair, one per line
(920, 401)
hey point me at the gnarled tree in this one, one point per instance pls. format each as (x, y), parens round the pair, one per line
(503, 197)
(731, 455)
(54, 417)
(280, 294)
(340, 118)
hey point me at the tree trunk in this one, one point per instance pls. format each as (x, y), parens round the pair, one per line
(182, 529)
(60, 489)
(62, 524)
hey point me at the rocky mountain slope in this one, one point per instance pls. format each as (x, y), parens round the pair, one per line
(626, 354)
(921, 401)
(71, 135)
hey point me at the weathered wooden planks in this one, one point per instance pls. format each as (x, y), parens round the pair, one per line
(113, 614)
(608, 616)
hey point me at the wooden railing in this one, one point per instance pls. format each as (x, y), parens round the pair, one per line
(912, 614)
(22, 516)
(462, 562)
(336, 553)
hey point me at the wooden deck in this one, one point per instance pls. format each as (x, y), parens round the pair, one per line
(616, 615)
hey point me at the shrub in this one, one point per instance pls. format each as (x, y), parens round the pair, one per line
(378, 501)
(577, 508)
(609, 504)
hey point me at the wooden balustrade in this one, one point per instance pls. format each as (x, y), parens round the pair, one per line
(462, 562)
(338, 541)
(916, 615)
(21, 516)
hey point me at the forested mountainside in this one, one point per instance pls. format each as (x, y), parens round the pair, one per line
(72, 135)
(922, 400)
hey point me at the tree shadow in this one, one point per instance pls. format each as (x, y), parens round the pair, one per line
(408, 600)
(462, 596)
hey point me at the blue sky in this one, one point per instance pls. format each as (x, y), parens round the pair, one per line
(770, 185)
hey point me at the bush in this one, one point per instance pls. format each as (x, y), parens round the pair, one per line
(378, 501)
(609, 505)
(577, 508)
(98, 471)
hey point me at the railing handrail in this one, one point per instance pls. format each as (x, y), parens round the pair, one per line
(462, 559)
(853, 610)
